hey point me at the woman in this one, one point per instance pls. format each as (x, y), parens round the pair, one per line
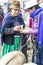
(38, 15)
(10, 29)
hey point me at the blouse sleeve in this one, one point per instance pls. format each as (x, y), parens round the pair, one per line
(32, 31)
(8, 30)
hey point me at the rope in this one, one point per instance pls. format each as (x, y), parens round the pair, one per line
(23, 46)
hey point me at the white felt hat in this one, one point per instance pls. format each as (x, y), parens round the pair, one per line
(30, 3)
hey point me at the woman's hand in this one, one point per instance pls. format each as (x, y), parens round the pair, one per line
(17, 28)
(24, 31)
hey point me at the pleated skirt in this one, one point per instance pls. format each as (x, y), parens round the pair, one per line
(8, 48)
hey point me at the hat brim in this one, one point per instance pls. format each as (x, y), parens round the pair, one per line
(12, 6)
(30, 4)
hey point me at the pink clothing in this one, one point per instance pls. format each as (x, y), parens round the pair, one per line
(35, 22)
(30, 22)
(33, 31)
(33, 25)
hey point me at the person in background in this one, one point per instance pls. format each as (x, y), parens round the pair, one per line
(39, 1)
(1, 17)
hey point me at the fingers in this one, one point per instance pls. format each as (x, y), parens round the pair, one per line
(24, 31)
(16, 28)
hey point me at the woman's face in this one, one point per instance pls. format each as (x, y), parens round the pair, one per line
(31, 10)
(15, 11)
